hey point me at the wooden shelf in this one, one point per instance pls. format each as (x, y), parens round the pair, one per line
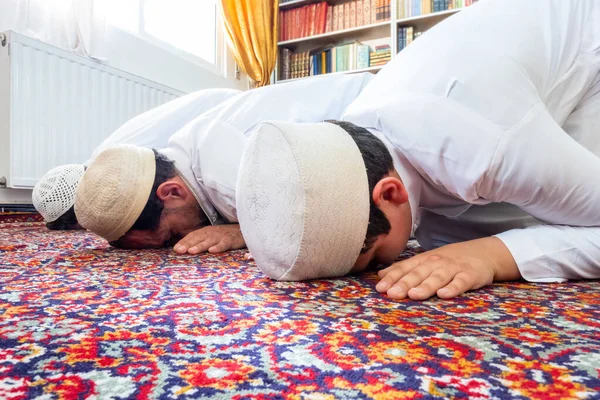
(427, 16)
(354, 71)
(334, 34)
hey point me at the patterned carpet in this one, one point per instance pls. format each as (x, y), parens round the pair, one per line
(80, 320)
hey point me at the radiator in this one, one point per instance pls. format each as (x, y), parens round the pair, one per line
(56, 107)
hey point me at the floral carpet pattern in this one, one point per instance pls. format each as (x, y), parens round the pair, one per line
(80, 320)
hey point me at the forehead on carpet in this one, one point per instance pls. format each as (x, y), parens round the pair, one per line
(80, 319)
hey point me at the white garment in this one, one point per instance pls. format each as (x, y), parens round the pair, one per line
(207, 152)
(154, 127)
(472, 112)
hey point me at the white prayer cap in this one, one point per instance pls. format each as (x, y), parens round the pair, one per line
(115, 189)
(303, 200)
(54, 194)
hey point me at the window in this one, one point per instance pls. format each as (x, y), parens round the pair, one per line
(188, 27)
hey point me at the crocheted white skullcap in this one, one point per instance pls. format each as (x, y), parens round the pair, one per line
(303, 200)
(54, 194)
(115, 189)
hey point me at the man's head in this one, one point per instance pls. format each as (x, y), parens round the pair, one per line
(389, 212)
(54, 196)
(134, 198)
(320, 200)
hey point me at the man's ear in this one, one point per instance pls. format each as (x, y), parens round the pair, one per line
(389, 190)
(171, 192)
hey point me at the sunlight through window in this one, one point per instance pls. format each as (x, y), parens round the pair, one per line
(186, 25)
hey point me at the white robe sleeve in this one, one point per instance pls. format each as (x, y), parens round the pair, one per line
(554, 253)
(542, 170)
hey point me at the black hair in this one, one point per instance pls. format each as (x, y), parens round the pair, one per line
(149, 219)
(379, 163)
(67, 221)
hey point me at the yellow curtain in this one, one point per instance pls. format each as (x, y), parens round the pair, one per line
(251, 32)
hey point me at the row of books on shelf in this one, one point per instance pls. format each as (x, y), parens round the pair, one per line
(342, 58)
(406, 35)
(380, 56)
(413, 8)
(315, 19)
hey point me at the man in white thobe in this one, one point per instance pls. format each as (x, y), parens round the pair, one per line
(193, 207)
(54, 194)
(493, 121)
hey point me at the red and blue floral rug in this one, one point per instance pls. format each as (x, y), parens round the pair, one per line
(81, 320)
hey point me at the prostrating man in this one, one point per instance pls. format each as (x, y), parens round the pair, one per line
(184, 195)
(473, 143)
(54, 194)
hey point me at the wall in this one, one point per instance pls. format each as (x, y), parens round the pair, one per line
(140, 57)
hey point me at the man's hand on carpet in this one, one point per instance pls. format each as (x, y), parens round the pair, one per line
(214, 239)
(449, 271)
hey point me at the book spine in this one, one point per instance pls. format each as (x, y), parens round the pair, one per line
(293, 25)
(347, 58)
(296, 22)
(323, 17)
(305, 64)
(313, 19)
(360, 13)
(334, 59)
(280, 33)
(367, 12)
(336, 11)
(352, 14)
(329, 25)
(362, 58)
(374, 11)
(289, 25)
(284, 62)
(317, 19)
(301, 28)
(286, 25)
(347, 15)
(400, 44)
(386, 10)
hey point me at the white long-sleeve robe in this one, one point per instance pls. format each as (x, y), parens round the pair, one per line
(207, 151)
(487, 115)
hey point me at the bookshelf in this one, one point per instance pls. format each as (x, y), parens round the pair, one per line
(375, 34)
